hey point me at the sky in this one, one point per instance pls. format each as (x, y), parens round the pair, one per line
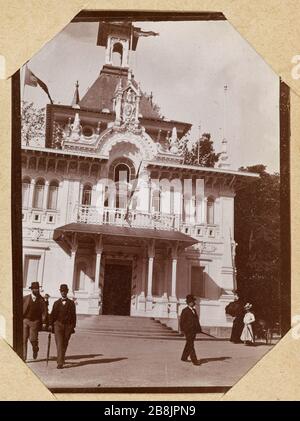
(186, 68)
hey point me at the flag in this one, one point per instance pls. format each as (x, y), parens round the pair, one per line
(140, 33)
(132, 193)
(31, 80)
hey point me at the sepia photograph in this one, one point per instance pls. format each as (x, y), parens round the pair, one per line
(150, 156)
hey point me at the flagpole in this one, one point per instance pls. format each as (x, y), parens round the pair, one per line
(132, 193)
(130, 47)
(22, 77)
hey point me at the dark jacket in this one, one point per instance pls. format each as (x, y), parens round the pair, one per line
(235, 308)
(43, 313)
(70, 314)
(189, 322)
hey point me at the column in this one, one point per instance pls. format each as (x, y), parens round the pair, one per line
(80, 194)
(72, 268)
(204, 210)
(45, 197)
(144, 275)
(95, 293)
(125, 57)
(151, 253)
(97, 271)
(99, 201)
(107, 51)
(174, 274)
(31, 193)
(166, 275)
(142, 298)
(165, 301)
(73, 247)
(199, 210)
(150, 276)
(173, 297)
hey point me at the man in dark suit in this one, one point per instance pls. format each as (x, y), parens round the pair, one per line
(63, 322)
(190, 326)
(34, 318)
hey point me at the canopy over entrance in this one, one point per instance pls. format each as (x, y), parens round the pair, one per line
(125, 235)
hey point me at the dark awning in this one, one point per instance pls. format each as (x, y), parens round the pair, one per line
(132, 232)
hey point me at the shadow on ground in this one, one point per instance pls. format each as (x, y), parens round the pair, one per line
(210, 360)
(68, 357)
(98, 361)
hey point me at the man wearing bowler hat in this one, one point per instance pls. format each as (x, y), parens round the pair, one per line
(63, 322)
(34, 318)
(190, 326)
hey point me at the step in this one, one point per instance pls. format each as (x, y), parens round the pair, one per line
(125, 325)
(125, 334)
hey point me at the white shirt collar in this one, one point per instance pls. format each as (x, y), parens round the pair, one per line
(33, 297)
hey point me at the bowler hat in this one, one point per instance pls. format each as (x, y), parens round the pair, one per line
(34, 285)
(64, 287)
(190, 298)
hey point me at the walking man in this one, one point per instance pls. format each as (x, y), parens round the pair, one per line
(34, 319)
(190, 326)
(63, 321)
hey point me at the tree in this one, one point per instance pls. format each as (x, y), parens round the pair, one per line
(202, 153)
(32, 124)
(257, 232)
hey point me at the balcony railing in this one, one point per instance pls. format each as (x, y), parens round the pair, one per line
(136, 218)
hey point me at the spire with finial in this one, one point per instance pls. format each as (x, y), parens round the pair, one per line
(75, 102)
(224, 159)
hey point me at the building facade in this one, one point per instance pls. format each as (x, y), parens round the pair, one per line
(110, 209)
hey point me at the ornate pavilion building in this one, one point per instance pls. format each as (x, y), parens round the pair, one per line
(110, 209)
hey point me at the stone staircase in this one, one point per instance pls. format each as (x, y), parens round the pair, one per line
(127, 326)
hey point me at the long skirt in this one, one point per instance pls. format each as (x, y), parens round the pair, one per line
(247, 334)
(237, 328)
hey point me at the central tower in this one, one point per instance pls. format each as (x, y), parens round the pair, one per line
(118, 38)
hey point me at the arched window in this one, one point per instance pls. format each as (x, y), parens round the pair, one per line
(86, 195)
(38, 194)
(81, 275)
(210, 210)
(121, 173)
(25, 192)
(117, 54)
(52, 195)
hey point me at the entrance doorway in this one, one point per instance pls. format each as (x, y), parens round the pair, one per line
(117, 289)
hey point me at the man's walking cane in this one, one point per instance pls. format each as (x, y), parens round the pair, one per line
(48, 347)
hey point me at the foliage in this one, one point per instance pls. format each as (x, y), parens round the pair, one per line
(202, 153)
(257, 232)
(32, 124)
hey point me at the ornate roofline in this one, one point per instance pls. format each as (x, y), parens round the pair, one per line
(196, 168)
(61, 152)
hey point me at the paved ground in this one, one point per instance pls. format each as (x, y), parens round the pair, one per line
(106, 358)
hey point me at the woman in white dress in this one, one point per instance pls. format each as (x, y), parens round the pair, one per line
(247, 333)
